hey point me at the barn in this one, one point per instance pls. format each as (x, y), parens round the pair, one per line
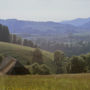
(11, 66)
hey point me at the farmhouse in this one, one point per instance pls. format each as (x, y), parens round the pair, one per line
(11, 66)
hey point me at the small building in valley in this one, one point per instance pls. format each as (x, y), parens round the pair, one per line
(11, 66)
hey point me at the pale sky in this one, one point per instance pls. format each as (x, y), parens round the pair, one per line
(44, 10)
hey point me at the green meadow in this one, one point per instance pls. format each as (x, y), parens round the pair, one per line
(22, 53)
(46, 82)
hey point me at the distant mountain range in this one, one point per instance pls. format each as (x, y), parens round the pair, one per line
(77, 22)
(62, 28)
(86, 26)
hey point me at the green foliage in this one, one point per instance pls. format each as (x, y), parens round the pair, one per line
(87, 60)
(29, 43)
(59, 60)
(44, 70)
(58, 57)
(39, 69)
(78, 65)
(25, 42)
(37, 56)
(4, 33)
(14, 38)
(18, 40)
(36, 68)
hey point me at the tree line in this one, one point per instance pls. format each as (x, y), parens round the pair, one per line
(70, 45)
(5, 36)
(18, 40)
(62, 63)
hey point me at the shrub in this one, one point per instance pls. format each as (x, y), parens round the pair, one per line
(78, 65)
(36, 68)
(39, 69)
(44, 70)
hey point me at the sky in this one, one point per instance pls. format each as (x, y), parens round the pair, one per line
(44, 10)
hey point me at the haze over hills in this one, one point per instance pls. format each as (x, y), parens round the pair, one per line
(86, 26)
(20, 26)
(77, 22)
(47, 28)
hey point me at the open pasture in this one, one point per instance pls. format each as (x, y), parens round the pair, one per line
(49, 82)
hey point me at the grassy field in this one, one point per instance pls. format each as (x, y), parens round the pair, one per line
(52, 82)
(21, 52)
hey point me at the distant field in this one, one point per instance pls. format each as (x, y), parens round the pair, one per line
(52, 82)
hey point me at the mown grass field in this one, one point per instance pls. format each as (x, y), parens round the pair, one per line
(50, 82)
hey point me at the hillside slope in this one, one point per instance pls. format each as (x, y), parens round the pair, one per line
(86, 26)
(32, 27)
(77, 22)
(24, 54)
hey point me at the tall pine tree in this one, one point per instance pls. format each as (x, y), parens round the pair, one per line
(4, 33)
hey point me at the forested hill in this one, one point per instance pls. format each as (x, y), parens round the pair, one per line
(52, 36)
(32, 27)
(77, 22)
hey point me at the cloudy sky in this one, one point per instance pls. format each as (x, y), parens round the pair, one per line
(44, 10)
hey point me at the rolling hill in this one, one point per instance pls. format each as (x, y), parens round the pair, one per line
(48, 30)
(27, 28)
(24, 54)
(86, 26)
(32, 27)
(77, 22)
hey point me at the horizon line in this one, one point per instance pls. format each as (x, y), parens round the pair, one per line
(43, 20)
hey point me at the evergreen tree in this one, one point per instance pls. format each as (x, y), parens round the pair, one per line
(37, 56)
(78, 65)
(4, 34)
(59, 62)
(25, 42)
(19, 41)
(14, 39)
